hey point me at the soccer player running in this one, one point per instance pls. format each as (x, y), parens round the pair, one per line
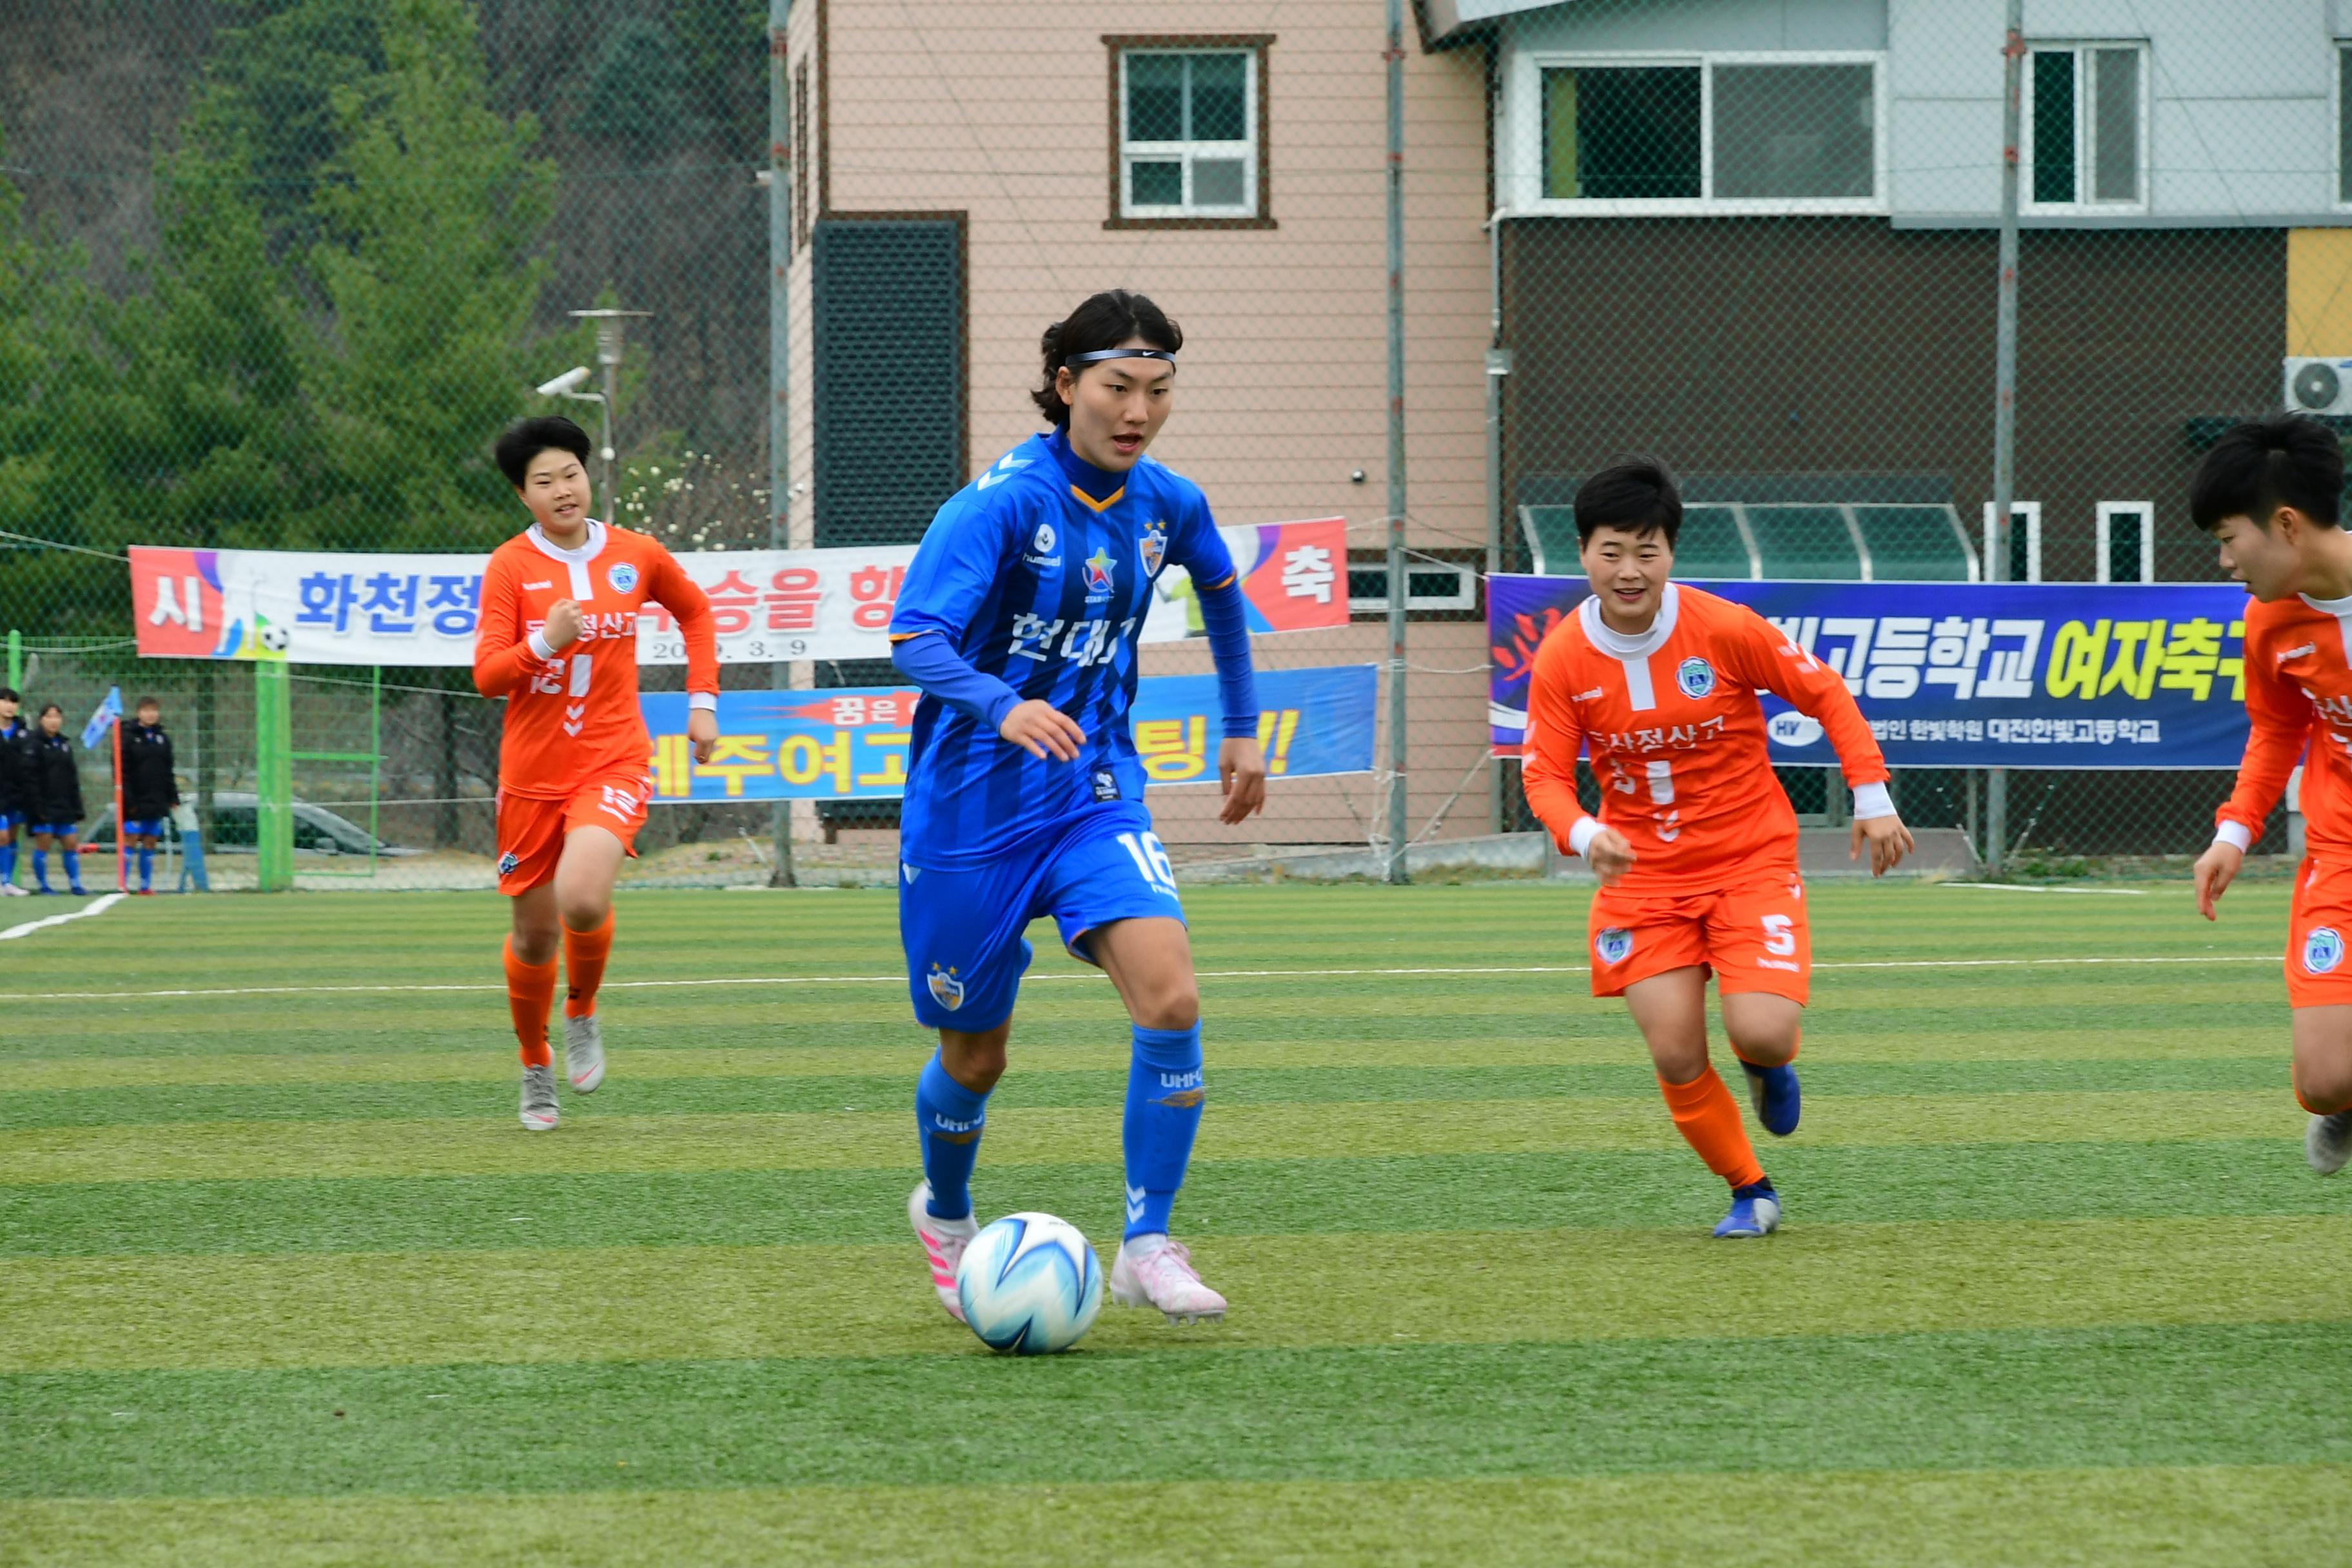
(558, 639)
(2269, 492)
(148, 789)
(1696, 846)
(1024, 796)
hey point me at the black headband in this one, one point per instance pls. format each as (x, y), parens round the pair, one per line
(1098, 355)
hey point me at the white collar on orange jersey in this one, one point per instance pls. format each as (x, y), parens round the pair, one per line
(583, 587)
(1616, 642)
(2338, 607)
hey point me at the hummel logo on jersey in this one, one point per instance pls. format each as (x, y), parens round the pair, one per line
(1006, 467)
(542, 583)
(1595, 695)
(2295, 652)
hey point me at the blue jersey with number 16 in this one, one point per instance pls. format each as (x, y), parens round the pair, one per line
(1034, 582)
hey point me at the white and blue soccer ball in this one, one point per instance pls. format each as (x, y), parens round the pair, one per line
(1029, 1284)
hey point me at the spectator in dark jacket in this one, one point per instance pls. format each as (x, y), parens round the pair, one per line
(55, 800)
(148, 789)
(14, 736)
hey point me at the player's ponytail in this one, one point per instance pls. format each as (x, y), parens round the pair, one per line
(1106, 321)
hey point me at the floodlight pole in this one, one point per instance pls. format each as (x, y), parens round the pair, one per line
(1397, 803)
(2004, 411)
(780, 364)
(608, 356)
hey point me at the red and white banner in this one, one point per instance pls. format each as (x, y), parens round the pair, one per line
(330, 608)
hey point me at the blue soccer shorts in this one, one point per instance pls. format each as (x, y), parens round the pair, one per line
(962, 930)
(143, 827)
(53, 830)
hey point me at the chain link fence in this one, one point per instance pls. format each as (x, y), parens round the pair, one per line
(272, 273)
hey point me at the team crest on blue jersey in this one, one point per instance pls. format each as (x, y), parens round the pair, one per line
(1614, 944)
(946, 989)
(1697, 678)
(623, 576)
(1098, 567)
(2323, 950)
(1153, 546)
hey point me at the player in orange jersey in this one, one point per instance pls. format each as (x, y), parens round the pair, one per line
(1695, 846)
(558, 640)
(2269, 492)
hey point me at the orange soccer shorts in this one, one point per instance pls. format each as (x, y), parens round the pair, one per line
(2319, 928)
(1750, 931)
(531, 831)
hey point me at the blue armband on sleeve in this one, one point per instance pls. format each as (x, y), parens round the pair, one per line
(1224, 614)
(930, 663)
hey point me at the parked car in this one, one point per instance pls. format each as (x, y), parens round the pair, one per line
(316, 830)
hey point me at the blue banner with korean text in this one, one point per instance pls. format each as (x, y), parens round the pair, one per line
(850, 743)
(1966, 675)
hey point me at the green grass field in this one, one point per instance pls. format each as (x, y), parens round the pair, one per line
(282, 1281)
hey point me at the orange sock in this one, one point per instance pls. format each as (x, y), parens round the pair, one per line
(584, 953)
(1708, 1117)
(530, 988)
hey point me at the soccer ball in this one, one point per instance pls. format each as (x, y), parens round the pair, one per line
(1029, 1284)
(274, 638)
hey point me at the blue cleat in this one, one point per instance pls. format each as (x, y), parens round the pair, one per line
(1755, 1210)
(1773, 1092)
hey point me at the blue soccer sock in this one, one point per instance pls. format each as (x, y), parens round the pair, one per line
(949, 1117)
(146, 868)
(7, 864)
(41, 866)
(1164, 1091)
(73, 869)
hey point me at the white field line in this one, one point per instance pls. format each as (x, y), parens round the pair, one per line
(1047, 979)
(97, 906)
(2019, 888)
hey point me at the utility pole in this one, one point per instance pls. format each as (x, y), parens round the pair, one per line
(780, 364)
(2004, 410)
(1397, 803)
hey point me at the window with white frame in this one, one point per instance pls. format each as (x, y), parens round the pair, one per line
(2086, 125)
(2127, 541)
(2025, 541)
(1734, 131)
(1190, 131)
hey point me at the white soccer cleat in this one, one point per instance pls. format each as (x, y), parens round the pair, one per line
(539, 1111)
(584, 1053)
(10, 889)
(943, 1242)
(1153, 1271)
(2328, 1142)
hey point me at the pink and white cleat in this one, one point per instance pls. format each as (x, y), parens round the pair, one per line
(1153, 1271)
(943, 1242)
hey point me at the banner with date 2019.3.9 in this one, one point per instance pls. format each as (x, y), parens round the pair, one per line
(850, 743)
(1966, 675)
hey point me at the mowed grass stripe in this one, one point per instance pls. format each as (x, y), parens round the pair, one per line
(70, 1090)
(2254, 1515)
(485, 1146)
(684, 1303)
(1354, 1198)
(2113, 1396)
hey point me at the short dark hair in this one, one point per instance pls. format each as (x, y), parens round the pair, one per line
(146, 702)
(1636, 494)
(2256, 468)
(527, 439)
(1105, 322)
(49, 708)
(8, 694)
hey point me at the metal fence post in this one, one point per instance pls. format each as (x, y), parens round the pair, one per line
(2004, 417)
(1397, 593)
(273, 775)
(780, 364)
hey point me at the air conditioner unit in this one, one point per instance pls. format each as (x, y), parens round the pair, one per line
(2318, 385)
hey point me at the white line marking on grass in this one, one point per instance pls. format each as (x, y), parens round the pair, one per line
(97, 906)
(2020, 887)
(758, 980)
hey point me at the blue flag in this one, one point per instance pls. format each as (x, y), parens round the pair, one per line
(108, 713)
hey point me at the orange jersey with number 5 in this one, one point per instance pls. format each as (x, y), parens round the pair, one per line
(1677, 735)
(572, 713)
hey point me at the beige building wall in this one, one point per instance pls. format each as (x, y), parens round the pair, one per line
(1004, 114)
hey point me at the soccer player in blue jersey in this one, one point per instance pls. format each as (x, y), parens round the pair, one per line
(1024, 796)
